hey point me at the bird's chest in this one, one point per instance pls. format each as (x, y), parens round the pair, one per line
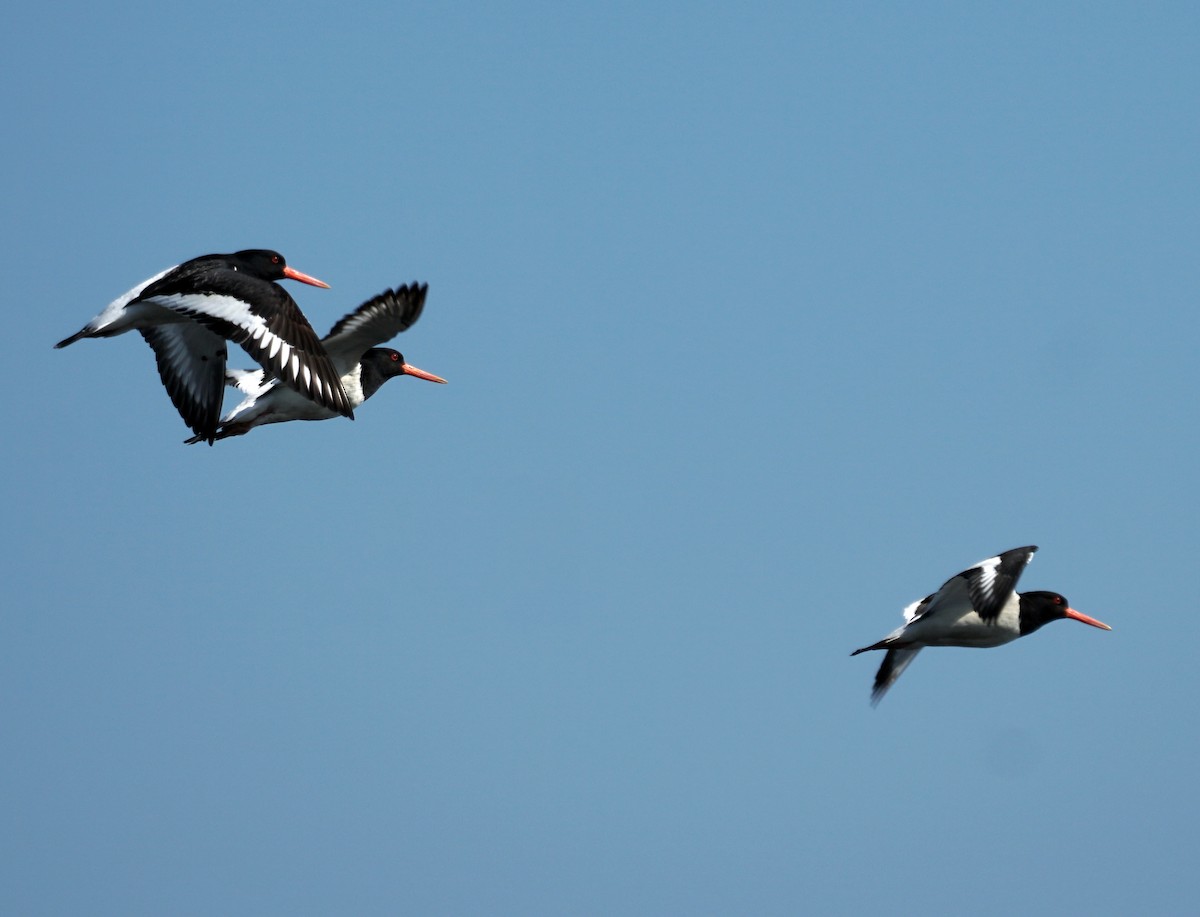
(352, 383)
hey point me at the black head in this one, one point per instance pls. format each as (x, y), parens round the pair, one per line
(267, 265)
(1038, 608)
(382, 363)
(388, 362)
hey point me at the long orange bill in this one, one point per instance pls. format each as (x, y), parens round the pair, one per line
(304, 278)
(1080, 616)
(420, 374)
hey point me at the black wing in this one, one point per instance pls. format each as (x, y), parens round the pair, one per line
(191, 363)
(990, 582)
(264, 320)
(377, 320)
(893, 665)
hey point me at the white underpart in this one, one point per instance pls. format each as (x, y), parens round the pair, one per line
(269, 402)
(949, 620)
(248, 381)
(352, 383)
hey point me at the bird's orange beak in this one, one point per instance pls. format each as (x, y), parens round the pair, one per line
(1080, 616)
(420, 374)
(304, 278)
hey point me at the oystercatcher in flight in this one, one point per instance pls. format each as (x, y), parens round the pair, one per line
(187, 312)
(363, 367)
(978, 607)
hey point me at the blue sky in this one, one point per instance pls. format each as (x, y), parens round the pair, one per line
(759, 322)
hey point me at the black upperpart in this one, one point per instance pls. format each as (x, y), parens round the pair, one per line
(247, 275)
(1038, 608)
(262, 263)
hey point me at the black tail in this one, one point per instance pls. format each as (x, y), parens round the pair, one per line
(881, 645)
(81, 333)
(222, 432)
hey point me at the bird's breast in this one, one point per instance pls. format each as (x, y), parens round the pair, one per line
(352, 383)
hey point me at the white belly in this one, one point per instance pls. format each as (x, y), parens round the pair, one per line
(280, 403)
(967, 628)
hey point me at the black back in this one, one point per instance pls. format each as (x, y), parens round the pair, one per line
(246, 275)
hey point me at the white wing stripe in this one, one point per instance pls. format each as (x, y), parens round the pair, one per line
(228, 308)
(114, 311)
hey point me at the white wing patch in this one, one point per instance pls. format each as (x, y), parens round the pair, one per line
(235, 311)
(126, 298)
(227, 308)
(912, 610)
(991, 582)
(987, 576)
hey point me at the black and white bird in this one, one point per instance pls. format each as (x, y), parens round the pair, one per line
(187, 312)
(978, 607)
(350, 345)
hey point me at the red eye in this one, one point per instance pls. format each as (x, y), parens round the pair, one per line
(274, 259)
(395, 357)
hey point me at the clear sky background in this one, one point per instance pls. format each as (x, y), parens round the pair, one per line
(759, 321)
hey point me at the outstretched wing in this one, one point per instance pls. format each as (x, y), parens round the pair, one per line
(893, 665)
(377, 320)
(990, 582)
(281, 342)
(191, 364)
(985, 587)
